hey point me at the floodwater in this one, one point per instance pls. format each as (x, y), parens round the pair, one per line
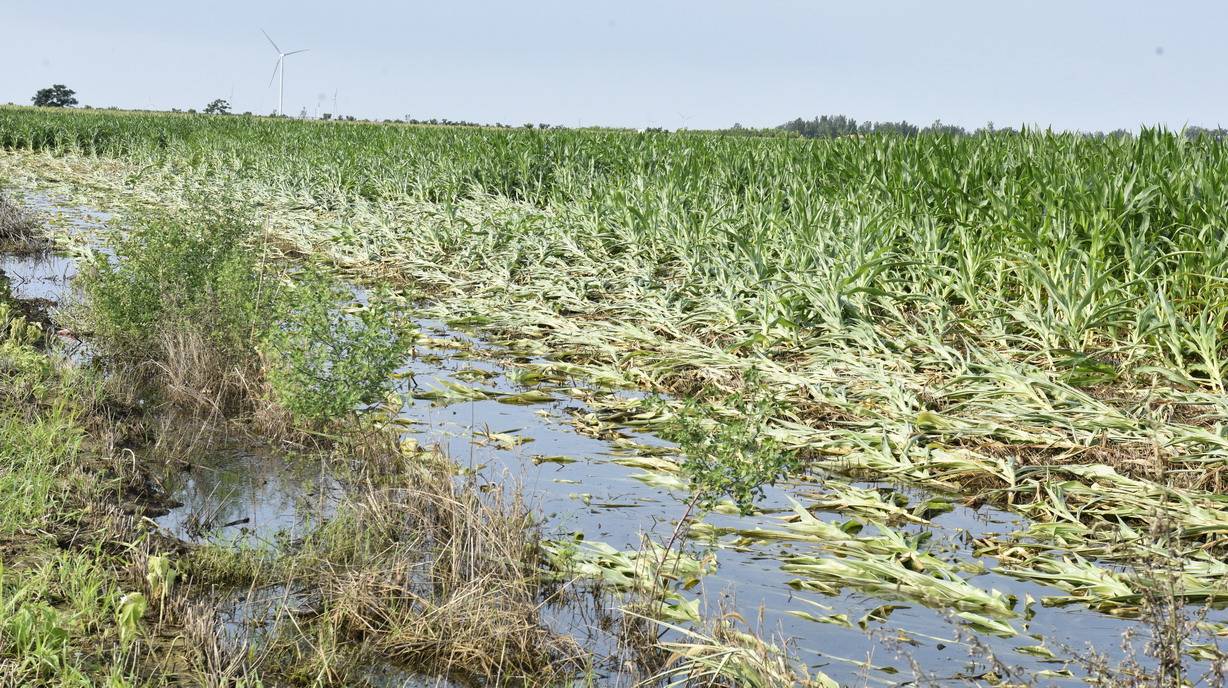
(43, 281)
(251, 499)
(579, 484)
(41, 278)
(585, 486)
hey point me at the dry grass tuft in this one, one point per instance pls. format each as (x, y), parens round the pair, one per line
(204, 396)
(20, 230)
(216, 663)
(196, 375)
(443, 580)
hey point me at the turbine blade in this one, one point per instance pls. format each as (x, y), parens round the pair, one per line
(295, 52)
(266, 35)
(276, 66)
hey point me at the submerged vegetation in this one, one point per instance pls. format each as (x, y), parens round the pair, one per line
(1025, 320)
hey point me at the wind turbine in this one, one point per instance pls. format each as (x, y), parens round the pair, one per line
(280, 66)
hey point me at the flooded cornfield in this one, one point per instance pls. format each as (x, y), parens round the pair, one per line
(619, 489)
(268, 431)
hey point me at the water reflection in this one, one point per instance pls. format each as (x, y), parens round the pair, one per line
(240, 497)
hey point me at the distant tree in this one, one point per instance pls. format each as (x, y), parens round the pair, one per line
(951, 129)
(837, 126)
(326, 116)
(827, 127)
(1195, 132)
(218, 107)
(901, 128)
(56, 95)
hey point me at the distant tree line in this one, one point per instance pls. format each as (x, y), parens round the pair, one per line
(445, 122)
(837, 126)
(738, 130)
(1218, 133)
(822, 127)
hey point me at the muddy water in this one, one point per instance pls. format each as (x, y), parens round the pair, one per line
(45, 277)
(40, 278)
(240, 497)
(41, 282)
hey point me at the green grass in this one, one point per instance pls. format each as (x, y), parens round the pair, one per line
(58, 600)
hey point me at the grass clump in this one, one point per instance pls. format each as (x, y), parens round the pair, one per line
(56, 624)
(41, 416)
(20, 230)
(445, 580)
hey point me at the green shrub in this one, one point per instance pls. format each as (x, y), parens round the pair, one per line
(734, 457)
(187, 293)
(328, 356)
(191, 269)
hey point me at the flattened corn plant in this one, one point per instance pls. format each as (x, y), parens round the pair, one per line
(982, 315)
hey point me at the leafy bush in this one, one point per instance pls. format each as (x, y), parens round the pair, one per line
(327, 355)
(192, 269)
(187, 293)
(734, 457)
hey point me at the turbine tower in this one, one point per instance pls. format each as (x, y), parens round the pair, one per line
(280, 67)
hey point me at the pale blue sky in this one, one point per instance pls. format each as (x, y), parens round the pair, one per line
(1070, 64)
